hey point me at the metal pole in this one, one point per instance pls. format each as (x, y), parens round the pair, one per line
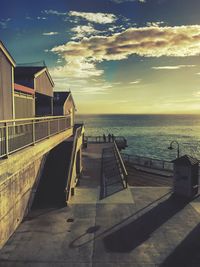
(49, 130)
(33, 133)
(58, 125)
(7, 138)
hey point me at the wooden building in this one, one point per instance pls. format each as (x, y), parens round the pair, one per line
(63, 104)
(7, 64)
(24, 101)
(40, 80)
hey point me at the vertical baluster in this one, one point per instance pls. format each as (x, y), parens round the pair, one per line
(6, 139)
(33, 131)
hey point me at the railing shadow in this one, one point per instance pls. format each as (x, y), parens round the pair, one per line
(187, 253)
(130, 236)
(77, 242)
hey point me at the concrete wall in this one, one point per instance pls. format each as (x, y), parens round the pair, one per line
(18, 176)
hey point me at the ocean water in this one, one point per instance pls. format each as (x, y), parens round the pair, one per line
(149, 135)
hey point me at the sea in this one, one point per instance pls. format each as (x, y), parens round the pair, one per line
(149, 135)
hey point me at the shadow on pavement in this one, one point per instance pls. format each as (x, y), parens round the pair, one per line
(77, 242)
(130, 236)
(187, 253)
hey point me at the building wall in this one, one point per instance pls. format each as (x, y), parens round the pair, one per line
(68, 105)
(69, 109)
(43, 85)
(6, 91)
(24, 106)
(43, 105)
(57, 110)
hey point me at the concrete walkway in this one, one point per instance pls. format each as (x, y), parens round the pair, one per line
(139, 226)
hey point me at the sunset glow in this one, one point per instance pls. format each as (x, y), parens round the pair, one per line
(116, 56)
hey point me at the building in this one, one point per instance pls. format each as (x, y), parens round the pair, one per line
(7, 65)
(24, 101)
(40, 80)
(63, 104)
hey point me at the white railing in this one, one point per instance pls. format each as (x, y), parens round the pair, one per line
(20, 133)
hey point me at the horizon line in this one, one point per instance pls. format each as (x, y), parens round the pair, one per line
(140, 114)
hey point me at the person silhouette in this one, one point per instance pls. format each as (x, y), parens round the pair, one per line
(109, 137)
(104, 138)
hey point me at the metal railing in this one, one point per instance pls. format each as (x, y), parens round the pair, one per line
(151, 163)
(77, 135)
(106, 139)
(112, 169)
(20, 133)
(121, 165)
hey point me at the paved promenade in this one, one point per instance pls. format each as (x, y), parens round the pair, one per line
(135, 227)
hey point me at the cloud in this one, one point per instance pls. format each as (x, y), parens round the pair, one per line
(54, 12)
(28, 18)
(173, 67)
(82, 56)
(135, 82)
(101, 18)
(155, 23)
(83, 31)
(50, 33)
(196, 94)
(4, 23)
(41, 18)
(79, 68)
(83, 86)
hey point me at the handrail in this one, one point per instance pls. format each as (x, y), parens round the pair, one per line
(25, 132)
(33, 118)
(72, 159)
(122, 166)
(100, 138)
(152, 163)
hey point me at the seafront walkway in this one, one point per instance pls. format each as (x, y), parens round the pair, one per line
(137, 226)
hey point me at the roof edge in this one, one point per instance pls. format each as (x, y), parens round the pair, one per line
(8, 55)
(48, 74)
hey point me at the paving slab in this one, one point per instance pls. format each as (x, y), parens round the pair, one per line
(136, 227)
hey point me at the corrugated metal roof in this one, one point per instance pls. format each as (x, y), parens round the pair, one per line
(30, 72)
(8, 55)
(27, 72)
(59, 98)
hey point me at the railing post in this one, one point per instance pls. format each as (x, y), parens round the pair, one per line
(33, 129)
(49, 128)
(58, 125)
(7, 139)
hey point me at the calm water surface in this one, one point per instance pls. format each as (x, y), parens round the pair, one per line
(149, 135)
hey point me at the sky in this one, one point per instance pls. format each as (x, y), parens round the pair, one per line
(116, 56)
